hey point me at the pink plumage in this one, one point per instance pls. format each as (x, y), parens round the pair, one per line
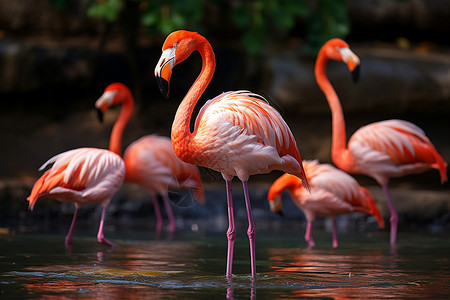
(333, 193)
(81, 176)
(380, 150)
(236, 133)
(150, 161)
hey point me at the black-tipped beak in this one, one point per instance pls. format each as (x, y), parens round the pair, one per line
(100, 114)
(163, 86)
(355, 73)
(280, 213)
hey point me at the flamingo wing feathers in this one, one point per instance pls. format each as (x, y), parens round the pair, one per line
(87, 174)
(255, 118)
(402, 141)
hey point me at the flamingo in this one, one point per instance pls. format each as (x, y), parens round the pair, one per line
(381, 150)
(81, 176)
(334, 193)
(149, 161)
(236, 133)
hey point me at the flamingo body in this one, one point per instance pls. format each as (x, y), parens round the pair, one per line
(236, 133)
(392, 148)
(333, 193)
(150, 161)
(380, 150)
(81, 176)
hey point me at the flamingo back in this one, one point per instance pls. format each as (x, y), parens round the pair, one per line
(403, 142)
(84, 175)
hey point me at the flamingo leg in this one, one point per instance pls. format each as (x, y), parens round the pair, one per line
(172, 223)
(251, 229)
(335, 238)
(394, 215)
(159, 221)
(308, 235)
(100, 237)
(231, 232)
(68, 240)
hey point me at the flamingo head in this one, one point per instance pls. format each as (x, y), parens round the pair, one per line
(177, 47)
(339, 50)
(114, 94)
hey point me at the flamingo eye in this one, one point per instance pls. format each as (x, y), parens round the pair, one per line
(175, 45)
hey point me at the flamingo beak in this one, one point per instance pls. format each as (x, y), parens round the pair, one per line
(105, 101)
(352, 61)
(275, 205)
(99, 114)
(163, 70)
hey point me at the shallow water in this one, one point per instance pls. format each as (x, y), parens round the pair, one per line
(192, 266)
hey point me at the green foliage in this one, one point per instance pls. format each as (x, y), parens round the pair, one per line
(163, 17)
(256, 18)
(59, 4)
(105, 9)
(328, 21)
(259, 21)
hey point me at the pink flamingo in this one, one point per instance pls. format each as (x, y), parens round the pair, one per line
(236, 133)
(334, 193)
(381, 150)
(149, 161)
(81, 176)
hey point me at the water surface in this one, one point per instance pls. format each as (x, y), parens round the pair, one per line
(192, 267)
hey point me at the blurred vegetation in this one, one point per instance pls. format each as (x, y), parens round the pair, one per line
(258, 22)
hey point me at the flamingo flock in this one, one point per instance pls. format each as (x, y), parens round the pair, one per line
(238, 134)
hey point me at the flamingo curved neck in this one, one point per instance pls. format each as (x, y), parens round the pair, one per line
(183, 140)
(338, 145)
(115, 142)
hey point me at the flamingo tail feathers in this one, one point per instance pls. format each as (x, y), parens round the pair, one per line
(373, 209)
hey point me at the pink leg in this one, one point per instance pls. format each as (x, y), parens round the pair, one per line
(159, 221)
(68, 240)
(308, 235)
(100, 237)
(231, 232)
(172, 223)
(251, 229)
(394, 215)
(335, 239)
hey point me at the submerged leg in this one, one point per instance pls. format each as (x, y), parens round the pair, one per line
(231, 232)
(100, 237)
(172, 223)
(68, 240)
(159, 221)
(251, 229)
(394, 215)
(308, 235)
(335, 239)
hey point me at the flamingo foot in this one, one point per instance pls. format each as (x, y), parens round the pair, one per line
(100, 237)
